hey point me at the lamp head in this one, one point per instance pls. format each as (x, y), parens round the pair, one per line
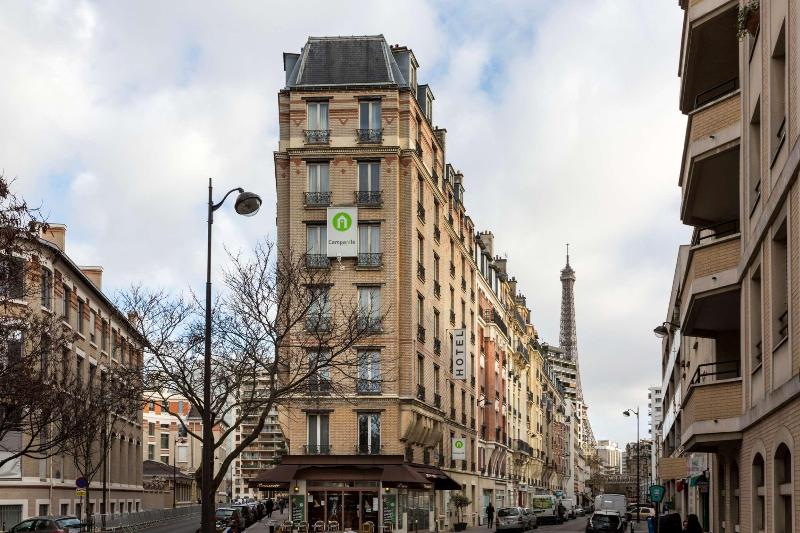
(626, 412)
(661, 331)
(247, 203)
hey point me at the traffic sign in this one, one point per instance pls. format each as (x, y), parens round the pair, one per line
(656, 493)
(81, 483)
(80, 492)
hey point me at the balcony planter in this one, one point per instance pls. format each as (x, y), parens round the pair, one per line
(748, 19)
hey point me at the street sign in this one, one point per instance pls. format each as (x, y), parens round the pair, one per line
(80, 493)
(656, 493)
(81, 483)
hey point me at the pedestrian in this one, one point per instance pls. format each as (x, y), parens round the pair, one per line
(490, 514)
(269, 505)
(282, 504)
(692, 524)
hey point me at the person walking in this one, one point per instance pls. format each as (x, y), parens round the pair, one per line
(490, 514)
(693, 524)
(269, 507)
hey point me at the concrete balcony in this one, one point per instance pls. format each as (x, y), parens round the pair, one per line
(712, 407)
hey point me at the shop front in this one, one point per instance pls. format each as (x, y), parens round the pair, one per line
(350, 493)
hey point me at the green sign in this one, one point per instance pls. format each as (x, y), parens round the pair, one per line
(656, 493)
(342, 221)
(390, 509)
(298, 508)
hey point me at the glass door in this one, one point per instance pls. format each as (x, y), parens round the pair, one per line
(369, 509)
(350, 505)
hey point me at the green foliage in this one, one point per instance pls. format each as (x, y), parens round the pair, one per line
(746, 11)
(459, 501)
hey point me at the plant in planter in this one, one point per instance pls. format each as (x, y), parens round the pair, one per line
(747, 19)
(459, 501)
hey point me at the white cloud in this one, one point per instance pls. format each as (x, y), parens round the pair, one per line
(562, 115)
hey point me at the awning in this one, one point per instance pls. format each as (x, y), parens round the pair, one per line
(278, 477)
(339, 473)
(440, 480)
(396, 475)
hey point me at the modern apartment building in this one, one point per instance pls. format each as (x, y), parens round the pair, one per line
(610, 455)
(729, 350)
(357, 136)
(104, 339)
(655, 414)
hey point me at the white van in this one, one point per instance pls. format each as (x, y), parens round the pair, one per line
(546, 508)
(569, 506)
(612, 502)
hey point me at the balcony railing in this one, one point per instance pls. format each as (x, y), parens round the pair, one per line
(522, 446)
(317, 322)
(420, 392)
(369, 323)
(319, 385)
(464, 418)
(437, 289)
(368, 386)
(420, 271)
(318, 199)
(437, 233)
(463, 285)
(368, 198)
(372, 260)
(709, 372)
(472, 294)
(420, 333)
(317, 449)
(707, 234)
(472, 338)
(783, 326)
(418, 149)
(368, 449)
(437, 400)
(452, 317)
(317, 136)
(452, 269)
(420, 212)
(452, 413)
(715, 92)
(370, 135)
(437, 346)
(318, 261)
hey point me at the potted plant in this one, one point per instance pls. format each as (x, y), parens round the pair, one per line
(747, 19)
(459, 501)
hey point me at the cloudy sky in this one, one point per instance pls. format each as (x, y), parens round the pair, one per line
(562, 116)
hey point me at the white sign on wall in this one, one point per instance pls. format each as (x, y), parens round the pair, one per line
(459, 452)
(342, 232)
(460, 354)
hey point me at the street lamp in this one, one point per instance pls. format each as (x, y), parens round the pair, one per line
(627, 412)
(664, 329)
(247, 204)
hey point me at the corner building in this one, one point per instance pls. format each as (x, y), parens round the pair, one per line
(730, 353)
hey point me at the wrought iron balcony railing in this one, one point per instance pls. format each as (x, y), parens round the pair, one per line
(317, 136)
(318, 449)
(420, 212)
(317, 322)
(369, 260)
(318, 261)
(420, 271)
(370, 135)
(437, 400)
(369, 198)
(319, 385)
(369, 323)
(420, 333)
(368, 386)
(437, 233)
(318, 199)
(437, 346)
(421, 392)
(437, 289)
(368, 449)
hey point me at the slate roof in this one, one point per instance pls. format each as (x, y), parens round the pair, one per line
(157, 468)
(338, 61)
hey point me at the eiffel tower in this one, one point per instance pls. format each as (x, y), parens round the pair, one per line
(568, 337)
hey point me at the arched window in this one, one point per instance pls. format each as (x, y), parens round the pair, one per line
(783, 490)
(758, 493)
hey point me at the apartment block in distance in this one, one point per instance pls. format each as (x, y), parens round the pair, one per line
(730, 349)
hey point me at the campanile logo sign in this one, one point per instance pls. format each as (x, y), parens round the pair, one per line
(342, 232)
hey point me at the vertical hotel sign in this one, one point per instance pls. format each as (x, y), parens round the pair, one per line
(460, 354)
(342, 232)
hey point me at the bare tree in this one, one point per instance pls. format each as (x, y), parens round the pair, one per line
(279, 332)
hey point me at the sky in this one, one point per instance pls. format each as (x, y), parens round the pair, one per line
(563, 117)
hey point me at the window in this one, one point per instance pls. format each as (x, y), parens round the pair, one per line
(777, 86)
(183, 454)
(47, 288)
(319, 309)
(104, 335)
(420, 370)
(783, 490)
(369, 176)
(80, 316)
(756, 297)
(369, 371)
(318, 177)
(317, 240)
(369, 433)
(66, 303)
(369, 121)
(369, 307)
(151, 452)
(318, 435)
(758, 493)
(165, 441)
(319, 366)
(151, 429)
(369, 244)
(318, 116)
(436, 325)
(165, 459)
(12, 278)
(79, 370)
(420, 312)
(64, 509)
(435, 269)
(779, 293)
(755, 155)
(151, 406)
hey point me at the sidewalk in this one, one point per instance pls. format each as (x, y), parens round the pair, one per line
(262, 526)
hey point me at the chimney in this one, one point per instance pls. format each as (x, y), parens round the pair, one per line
(441, 136)
(56, 234)
(289, 62)
(501, 264)
(487, 241)
(95, 275)
(512, 285)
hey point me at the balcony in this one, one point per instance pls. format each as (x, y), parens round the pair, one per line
(318, 261)
(317, 136)
(437, 289)
(522, 446)
(437, 400)
(437, 346)
(318, 199)
(369, 323)
(420, 212)
(421, 392)
(368, 449)
(317, 322)
(369, 198)
(452, 269)
(372, 260)
(464, 418)
(472, 295)
(463, 285)
(317, 449)
(712, 406)
(418, 149)
(452, 413)
(420, 271)
(420, 333)
(368, 386)
(437, 233)
(370, 136)
(317, 385)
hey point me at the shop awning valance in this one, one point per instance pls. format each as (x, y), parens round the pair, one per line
(440, 480)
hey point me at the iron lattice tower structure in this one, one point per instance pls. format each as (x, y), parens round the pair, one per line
(568, 336)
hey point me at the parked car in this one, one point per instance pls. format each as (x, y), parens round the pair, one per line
(247, 515)
(546, 508)
(61, 524)
(511, 519)
(569, 508)
(530, 518)
(580, 511)
(644, 512)
(605, 522)
(230, 517)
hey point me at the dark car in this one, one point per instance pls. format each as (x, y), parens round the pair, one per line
(605, 522)
(247, 514)
(54, 524)
(229, 517)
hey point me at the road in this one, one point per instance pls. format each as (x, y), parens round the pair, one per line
(190, 525)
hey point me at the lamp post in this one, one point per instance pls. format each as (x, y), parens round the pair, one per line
(628, 412)
(247, 204)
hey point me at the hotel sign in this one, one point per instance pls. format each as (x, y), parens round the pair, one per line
(459, 452)
(460, 354)
(342, 232)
